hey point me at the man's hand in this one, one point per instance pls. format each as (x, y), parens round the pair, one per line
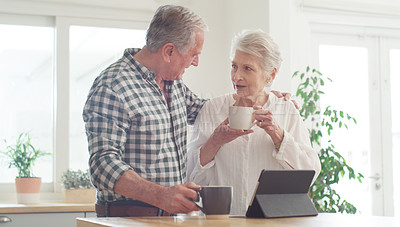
(177, 198)
(286, 96)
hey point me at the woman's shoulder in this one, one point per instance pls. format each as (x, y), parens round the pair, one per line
(216, 108)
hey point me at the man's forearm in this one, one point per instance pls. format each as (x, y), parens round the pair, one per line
(131, 185)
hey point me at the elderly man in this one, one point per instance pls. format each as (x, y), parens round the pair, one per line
(136, 116)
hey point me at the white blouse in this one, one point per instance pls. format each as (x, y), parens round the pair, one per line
(239, 162)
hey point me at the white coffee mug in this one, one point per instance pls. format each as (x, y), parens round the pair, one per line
(241, 117)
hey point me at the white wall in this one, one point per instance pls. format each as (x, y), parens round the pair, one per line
(228, 17)
(285, 20)
(211, 77)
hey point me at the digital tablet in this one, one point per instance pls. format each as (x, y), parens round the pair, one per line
(282, 193)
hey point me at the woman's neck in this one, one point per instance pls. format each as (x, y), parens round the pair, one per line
(258, 100)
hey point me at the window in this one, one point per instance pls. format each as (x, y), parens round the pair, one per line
(26, 88)
(348, 66)
(92, 49)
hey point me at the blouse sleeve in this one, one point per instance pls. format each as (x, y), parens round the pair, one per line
(295, 151)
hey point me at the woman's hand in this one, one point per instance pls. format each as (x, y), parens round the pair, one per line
(222, 134)
(265, 120)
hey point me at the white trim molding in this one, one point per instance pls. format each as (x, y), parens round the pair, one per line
(382, 8)
(115, 10)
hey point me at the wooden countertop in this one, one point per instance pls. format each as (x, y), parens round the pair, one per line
(325, 220)
(45, 208)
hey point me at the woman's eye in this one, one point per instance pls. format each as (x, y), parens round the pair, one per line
(234, 66)
(248, 68)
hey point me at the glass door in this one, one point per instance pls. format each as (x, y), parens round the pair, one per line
(348, 61)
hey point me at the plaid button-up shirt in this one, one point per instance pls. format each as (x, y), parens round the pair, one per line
(130, 126)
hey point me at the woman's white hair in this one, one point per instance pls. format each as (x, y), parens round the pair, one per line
(174, 24)
(260, 44)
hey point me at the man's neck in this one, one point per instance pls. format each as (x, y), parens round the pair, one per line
(153, 62)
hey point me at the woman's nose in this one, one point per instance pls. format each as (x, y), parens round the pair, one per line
(236, 76)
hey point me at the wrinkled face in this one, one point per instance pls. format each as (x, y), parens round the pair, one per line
(182, 62)
(247, 75)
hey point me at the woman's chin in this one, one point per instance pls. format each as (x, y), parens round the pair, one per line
(242, 94)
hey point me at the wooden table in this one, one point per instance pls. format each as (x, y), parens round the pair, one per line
(322, 220)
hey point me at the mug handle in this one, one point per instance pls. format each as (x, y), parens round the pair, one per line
(197, 200)
(255, 121)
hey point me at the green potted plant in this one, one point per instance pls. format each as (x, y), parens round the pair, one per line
(77, 187)
(333, 165)
(23, 156)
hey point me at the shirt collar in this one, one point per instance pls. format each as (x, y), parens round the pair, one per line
(144, 72)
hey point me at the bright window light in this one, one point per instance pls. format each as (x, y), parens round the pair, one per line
(92, 49)
(349, 92)
(26, 93)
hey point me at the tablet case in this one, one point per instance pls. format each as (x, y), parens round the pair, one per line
(282, 193)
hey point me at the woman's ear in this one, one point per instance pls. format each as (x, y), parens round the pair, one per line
(270, 78)
(168, 51)
(273, 74)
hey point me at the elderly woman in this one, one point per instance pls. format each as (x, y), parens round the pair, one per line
(219, 155)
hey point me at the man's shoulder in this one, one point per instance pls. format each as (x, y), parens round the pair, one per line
(120, 70)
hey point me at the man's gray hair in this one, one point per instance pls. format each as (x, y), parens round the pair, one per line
(260, 44)
(174, 24)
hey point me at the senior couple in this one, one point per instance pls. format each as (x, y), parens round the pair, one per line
(138, 109)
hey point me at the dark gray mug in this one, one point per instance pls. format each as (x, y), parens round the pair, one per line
(215, 200)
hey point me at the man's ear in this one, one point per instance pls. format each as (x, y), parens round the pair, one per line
(168, 51)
